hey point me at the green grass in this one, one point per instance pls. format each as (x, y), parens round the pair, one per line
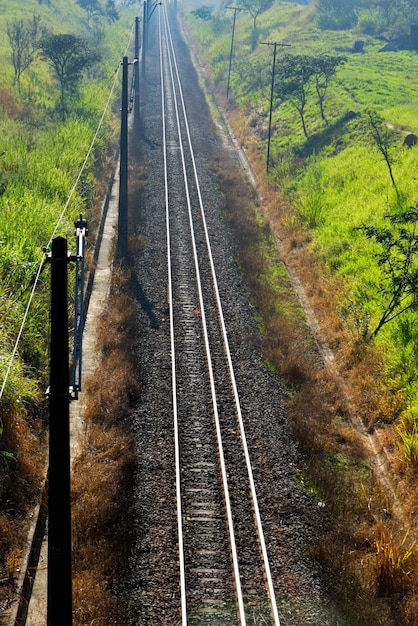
(40, 158)
(354, 187)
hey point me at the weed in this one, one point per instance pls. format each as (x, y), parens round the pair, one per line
(409, 442)
(392, 568)
(356, 318)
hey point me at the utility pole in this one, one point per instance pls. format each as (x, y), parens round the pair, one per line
(81, 232)
(234, 9)
(59, 611)
(149, 9)
(144, 38)
(123, 171)
(275, 45)
(136, 69)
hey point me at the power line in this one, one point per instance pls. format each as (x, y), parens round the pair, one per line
(60, 218)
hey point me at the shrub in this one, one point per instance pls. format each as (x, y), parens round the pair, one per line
(371, 22)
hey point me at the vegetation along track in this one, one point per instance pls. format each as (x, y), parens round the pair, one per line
(211, 432)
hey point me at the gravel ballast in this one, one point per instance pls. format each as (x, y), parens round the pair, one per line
(292, 517)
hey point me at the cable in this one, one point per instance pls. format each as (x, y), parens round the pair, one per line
(60, 218)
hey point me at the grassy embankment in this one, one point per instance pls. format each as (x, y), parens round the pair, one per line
(320, 190)
(40, 157)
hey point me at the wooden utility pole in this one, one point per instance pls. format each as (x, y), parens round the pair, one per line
(275, 45)
(234, 9)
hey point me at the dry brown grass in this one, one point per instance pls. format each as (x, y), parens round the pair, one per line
(20, 488)
(103, 474)
(322, 399)
(101, 488)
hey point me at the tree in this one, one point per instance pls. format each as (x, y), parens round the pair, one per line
(294, 72)
(324, 69)
(255, 7)
(384, 140)
(398, 259)
(204, 13)
(68, 55)
(23, 35)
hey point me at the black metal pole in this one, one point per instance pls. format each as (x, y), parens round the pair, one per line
(136, 69)
(59, 609)
(144, 37)
(123, 182)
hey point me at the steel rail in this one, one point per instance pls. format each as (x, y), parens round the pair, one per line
(228, 354)
(172, 348)
(231, 530)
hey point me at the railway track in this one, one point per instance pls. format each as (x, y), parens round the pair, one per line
(222, 526)
(222, 555)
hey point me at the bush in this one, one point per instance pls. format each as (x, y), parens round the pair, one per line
(336, 14)
(371, 22)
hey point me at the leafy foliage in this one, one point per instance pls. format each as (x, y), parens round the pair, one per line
(383, 138)
(324, 69)
(204, 13)
(295, 74)
(97, 9)
(69, 55)
(255, 8)
(337, 13)
(40, 157)
(398, 260)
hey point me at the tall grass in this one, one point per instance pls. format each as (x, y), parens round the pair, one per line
(338, 268)
(339, 180)
(393, 567)
(40, 158)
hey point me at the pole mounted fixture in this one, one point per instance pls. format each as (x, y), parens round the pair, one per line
(123, 168)
(136, 69)
(81, 232)
(275, 45)
(234, 9)
(144, 38)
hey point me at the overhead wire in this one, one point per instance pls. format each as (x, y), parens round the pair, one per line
(57, 225)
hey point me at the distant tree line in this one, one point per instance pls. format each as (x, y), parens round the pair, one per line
(373, 16)
(97, 9)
